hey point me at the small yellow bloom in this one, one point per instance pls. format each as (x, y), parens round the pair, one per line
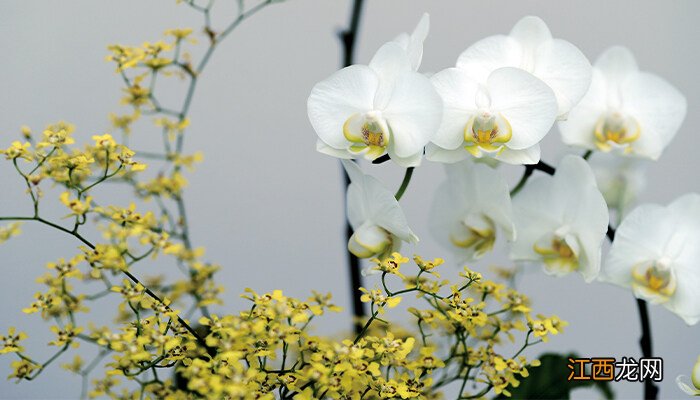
(76, 206)
(6, 232)
(10, 342)
(17, 150)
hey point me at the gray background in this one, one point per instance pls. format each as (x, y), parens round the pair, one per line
(266, 205)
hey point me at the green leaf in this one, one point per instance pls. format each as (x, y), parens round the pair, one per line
(549, 381)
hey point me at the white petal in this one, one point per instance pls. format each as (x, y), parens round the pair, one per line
(402, 40)
(471, 189)
(531, 32)
(389, 63)
(686, 299)
(371, 237)
(563, 67)
(458, 92)
(685, 387)
(575, 186)
(438, 154)
(493, 197)
(579, 126)
(685, 217)
(322, 147)
(526, 102)
(415, 45)
(369, 200)
(535, 215)
(640, 238)
(384, 210)
(357, 210)
(489, 54)
(530, 155)
(616, 63)
(334, 100)
(572, 180)
(405, 162)
(354, 171)
(413, 113)
(658, 107)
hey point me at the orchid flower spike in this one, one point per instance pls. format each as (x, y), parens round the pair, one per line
(626, 110)
(561, 221)
(531, 47)
(385, 107)
(377, 219)
(468, 208)
(656, 253)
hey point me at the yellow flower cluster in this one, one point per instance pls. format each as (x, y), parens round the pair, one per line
(268, 351)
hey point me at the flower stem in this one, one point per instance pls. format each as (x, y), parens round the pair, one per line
(651, 391)
(347, 40)
(404, 183)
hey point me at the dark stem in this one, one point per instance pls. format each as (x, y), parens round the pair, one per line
(348, 38)
(651, 391)
(381, 159)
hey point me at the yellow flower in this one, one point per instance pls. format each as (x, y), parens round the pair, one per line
(17, 150)
(124, 122)
(136, 95)
(22, 369)
(126, 158)
(179, 34)
(57, 135)
(11, 341)
(378, 298)
(65, 335)
(391, 264)
(67, 269)
(44, 303)
(6, 232)
(104, 141)
(428, 266)
(76, 206)
(76, 366)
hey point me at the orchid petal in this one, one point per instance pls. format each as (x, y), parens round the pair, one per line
(527, 103)
(334, 100)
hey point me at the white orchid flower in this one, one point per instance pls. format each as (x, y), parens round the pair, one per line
(385, 107)
(656, 252)
(633, 112)
(694, 379)
(376, 217)
(620, 179)
(530, 47)
(467, 209)
(561, 221)
(413, 43)
(505, 118)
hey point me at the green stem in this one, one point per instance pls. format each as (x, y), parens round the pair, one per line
(404, 183)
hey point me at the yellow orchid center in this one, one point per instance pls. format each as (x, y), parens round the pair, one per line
(654, 280)
(558, 256)
(368, 134)
(616, 130)
(486, 132)
(477, 232)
